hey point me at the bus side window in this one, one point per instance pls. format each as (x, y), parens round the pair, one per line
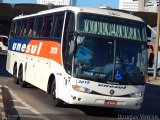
(46, 30)
(18, 28)
(38, 27)
(58, 26)
(24, 28)
(30, 25)
(13, 29)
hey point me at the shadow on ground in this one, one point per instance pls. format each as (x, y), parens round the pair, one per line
(3, 71)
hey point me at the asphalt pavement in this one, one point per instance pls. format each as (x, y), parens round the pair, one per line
(153, 81)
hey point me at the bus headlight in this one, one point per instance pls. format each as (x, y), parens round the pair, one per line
(136, 95)
(81, 89)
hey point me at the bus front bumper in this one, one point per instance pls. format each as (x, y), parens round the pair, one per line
(105, 101)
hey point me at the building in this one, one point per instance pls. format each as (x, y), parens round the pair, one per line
(151, 5)
(57, 2)
(139, 5)
(129, 5)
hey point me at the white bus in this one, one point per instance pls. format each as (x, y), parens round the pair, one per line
(85, 56)
(3, 41)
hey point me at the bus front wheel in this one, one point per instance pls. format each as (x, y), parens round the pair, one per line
(56, 101)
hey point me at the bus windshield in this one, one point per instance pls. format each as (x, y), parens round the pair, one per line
(104, 59)
(111, 26)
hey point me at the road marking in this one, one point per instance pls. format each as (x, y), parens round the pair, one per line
(26, 105)
(31, 116)
(4, 116)
(1, 97)
(19, 107)
(1, 105)
(14, 100)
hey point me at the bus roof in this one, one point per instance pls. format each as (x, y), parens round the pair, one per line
(85, 10)
(3, 36)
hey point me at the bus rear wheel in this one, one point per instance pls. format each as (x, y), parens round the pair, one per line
(15, 79)
(56, 101)
(22, 83)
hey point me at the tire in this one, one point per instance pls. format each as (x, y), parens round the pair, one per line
(22, 83)
(56, 101)
(15, 79)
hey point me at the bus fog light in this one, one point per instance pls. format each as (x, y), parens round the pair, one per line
(79, 99)
(140, 104)
(74, 97)
(136, 104)
(81, 89)
(136, 95)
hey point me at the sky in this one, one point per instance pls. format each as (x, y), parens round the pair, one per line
(86, 3)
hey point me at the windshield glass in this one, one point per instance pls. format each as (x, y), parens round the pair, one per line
(112, 26)
(104, 59)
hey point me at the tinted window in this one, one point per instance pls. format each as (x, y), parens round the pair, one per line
(47, 26)
(23, 28)
(18, 28)
(13, 28)
(38, 27)
(30, 25)
(58, 25)
(68, 36)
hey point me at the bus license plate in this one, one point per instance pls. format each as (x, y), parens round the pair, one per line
(110, 102)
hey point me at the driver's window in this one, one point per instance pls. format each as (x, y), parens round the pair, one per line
(68, 37)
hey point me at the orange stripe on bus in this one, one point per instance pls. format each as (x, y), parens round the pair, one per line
(45, 49)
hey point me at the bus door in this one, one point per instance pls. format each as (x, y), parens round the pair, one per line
(67, 58)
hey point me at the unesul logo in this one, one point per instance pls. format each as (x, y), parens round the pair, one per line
(30, 48)
(111, 86)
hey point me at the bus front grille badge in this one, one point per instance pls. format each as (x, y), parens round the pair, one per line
(112, 92)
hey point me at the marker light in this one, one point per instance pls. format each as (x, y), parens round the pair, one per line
(136, 95)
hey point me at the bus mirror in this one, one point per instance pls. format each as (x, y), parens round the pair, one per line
(151, 59)
(72, 37)
(72, 47)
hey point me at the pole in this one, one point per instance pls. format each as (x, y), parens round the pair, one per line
(157, 43)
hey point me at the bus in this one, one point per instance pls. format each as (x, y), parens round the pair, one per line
(82, 56)
(3, 42)
(152, 49)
